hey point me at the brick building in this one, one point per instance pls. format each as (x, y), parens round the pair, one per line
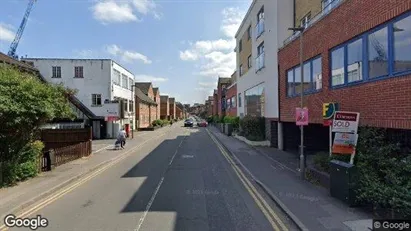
(231, 96)
(222, 85)
(147, 89)
(144, 106)
(215, 102)
(357, 53)
(156, 93)
(179, 111)
(164, 107)
(172, 102)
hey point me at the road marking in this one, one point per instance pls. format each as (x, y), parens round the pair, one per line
(102, 149)
(153, 197)
(63, 192)
(187, 156)
(251, 189)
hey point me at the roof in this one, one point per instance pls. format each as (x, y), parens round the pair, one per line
(27, 67)
(155, 90)
(144, 86)
(245, 18)
(143, 97)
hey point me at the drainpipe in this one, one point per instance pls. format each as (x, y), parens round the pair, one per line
(294, 13)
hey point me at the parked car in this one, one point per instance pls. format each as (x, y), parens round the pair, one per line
(202, 123)
(188, 123)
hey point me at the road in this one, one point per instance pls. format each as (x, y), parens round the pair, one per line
(183, 181)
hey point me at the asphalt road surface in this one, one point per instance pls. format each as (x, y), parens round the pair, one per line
(179, 182)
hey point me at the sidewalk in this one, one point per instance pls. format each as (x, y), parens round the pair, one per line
(307, 204)
(26, 193)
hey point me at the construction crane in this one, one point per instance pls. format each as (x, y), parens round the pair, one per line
(15, 43)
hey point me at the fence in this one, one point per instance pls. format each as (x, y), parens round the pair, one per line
(57, 138)
(58, 156)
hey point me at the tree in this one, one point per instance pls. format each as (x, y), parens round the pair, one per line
(25, 104)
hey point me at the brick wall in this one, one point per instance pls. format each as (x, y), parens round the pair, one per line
(232, 92)
(164, 107)
(143, 115)
(172, 108)
(382, 103)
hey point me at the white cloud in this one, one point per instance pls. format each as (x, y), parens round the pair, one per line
(207, 84)
(126, 55)
(6, 33)
(113, 12)
(216, 57)
(149, 78)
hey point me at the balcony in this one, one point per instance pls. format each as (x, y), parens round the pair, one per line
(259, 28)
(260, 62)
(327, 7)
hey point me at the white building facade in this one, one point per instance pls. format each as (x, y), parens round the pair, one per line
(103, 86)
(260, 35)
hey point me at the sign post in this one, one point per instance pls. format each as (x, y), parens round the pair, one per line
(301, 116)
(345, 125)
(329, 110)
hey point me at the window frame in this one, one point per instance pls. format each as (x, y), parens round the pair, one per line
(82, 72)
(249, 62)
(56, 70)
(313, 89)
(240, 68)
(96, 99)
(249, 32)
(365, 50)
(240, 45)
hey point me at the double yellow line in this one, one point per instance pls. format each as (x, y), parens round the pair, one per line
(64, 191)
(268, 212)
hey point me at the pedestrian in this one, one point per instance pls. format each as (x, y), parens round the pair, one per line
(171, 122)
(122, 137)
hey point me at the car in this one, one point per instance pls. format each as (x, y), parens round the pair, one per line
(188, 123)
(202, 123)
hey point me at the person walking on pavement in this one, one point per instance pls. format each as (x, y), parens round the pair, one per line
(122, 137)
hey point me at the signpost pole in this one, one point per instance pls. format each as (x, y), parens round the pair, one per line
(331, 139)
(302, 157)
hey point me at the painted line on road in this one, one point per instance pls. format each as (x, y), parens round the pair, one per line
(153, 197)
(63, 192)
(101, 149)
(265, 208)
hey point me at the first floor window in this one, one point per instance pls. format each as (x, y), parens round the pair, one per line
(239, 99)
(56, 72)
(78, 72)
(96, 99)
(312, 80)
(337, 67)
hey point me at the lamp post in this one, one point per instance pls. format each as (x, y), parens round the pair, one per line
(302, 156)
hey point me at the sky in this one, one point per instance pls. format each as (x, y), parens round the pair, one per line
(182, 46)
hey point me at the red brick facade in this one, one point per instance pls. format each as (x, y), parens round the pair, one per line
(156, 92)
(381, 103)
(164, 107)
(215, 103)
(232, 94)
(172, 102)
(142, 114)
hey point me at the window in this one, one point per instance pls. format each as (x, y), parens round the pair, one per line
(380, 53)
(260, 49)
(130, 106)
(239, 99)
(305, 20)
(260, 14)
(249, 32)
(124, 80)
(125, 104)
(254, 101)
(317, 74)
(402, 45)
(95, 99)
(241, 70)
(130, 83)
(78, 72)
(56, 72)
(116, 77)
(337, 67)
(312, 78)
(240, 45)
(233, 102)
(250, 62)
(354, 61)
(290, 82)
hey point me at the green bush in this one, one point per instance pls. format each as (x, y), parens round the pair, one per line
(210, 119)
(24, 165)
(384, 173)
(234, 120)
(157, 123)
(165, 122)
(253, 128)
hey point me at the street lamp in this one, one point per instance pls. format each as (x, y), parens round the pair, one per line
(302, 157)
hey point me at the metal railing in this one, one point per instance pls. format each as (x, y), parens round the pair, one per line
(325, 11)
(260, 62)
(259, 28)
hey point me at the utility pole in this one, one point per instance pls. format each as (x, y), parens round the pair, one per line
(302, 156)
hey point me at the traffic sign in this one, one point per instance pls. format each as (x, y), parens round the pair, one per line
(301, 116)
(345, 122)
